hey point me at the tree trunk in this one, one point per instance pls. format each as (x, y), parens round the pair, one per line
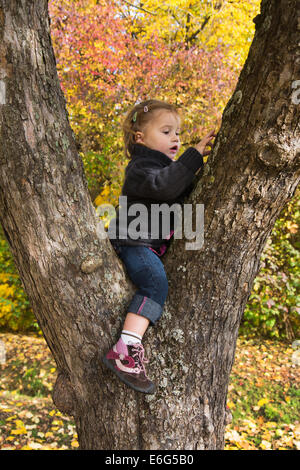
(77, 286)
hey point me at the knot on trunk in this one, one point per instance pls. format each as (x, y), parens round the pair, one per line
(277, 154)
(63, 394)
(268, 154)
(91, 263)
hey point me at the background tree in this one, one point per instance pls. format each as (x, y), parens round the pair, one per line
(193, 22)
(105, 66)
(77, 286)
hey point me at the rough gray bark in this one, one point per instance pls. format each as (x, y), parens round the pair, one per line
(78, 288)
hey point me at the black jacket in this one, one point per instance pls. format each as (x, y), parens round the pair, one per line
(151, 177)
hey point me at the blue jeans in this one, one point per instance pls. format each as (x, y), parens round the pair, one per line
(147, 273)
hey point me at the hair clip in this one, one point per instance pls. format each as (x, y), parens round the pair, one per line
(134, 116)
(146, 109)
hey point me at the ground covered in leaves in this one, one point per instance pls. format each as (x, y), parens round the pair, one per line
(264, 398)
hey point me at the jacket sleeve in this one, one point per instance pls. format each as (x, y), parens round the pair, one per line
(163, 184)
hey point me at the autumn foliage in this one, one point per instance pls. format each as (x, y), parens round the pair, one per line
(108, 60)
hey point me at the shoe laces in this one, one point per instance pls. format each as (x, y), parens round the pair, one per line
(138, 353)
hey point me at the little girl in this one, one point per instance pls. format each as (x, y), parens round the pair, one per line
(151, 137)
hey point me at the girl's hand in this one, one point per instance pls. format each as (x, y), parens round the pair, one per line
(204, 142)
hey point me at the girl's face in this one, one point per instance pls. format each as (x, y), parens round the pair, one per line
(162, 133)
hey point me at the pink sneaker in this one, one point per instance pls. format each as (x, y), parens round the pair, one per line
(127, 362)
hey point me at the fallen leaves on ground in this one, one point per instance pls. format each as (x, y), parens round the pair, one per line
(28, 423)
(263, 397)
(28, 418)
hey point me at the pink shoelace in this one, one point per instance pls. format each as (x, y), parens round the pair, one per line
(138, 353)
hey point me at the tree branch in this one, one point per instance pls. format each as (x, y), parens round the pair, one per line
(139, 8)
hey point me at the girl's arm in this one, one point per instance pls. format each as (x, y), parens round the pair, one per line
(162, 184)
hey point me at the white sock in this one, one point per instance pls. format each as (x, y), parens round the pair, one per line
(130, 337)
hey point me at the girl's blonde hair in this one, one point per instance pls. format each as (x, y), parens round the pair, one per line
(137, 118)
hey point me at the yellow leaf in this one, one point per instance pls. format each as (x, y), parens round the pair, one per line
(74, 444)
(262, 402)
(11, 417)
(271, 424)
(19, 431)
(231, 405)
(57, 422)
(292, 227)
(19, 423)
(265, 445)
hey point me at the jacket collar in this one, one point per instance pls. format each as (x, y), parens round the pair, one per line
(140, 150)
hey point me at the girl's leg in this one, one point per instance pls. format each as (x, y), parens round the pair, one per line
(134, 328)
(147, 272)
(126, 358)
(136, 323)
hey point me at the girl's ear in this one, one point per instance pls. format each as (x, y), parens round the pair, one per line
(139, 137)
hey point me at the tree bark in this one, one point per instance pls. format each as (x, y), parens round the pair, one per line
(78, 288)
